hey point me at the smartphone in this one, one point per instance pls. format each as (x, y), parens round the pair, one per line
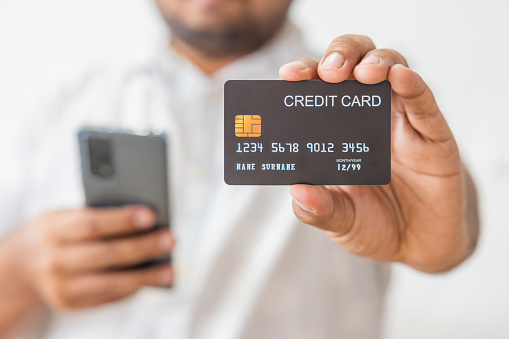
(123, 168)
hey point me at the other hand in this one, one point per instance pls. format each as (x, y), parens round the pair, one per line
(70, 259)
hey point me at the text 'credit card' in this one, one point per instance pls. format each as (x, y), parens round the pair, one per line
(311, 132)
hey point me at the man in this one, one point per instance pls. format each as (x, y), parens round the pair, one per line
(244, 266)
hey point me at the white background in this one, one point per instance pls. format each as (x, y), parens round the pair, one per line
(459, 47)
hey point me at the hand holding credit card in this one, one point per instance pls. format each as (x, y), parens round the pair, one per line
(313, 132)
(372, 162)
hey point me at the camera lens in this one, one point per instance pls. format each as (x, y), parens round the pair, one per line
(100, 157)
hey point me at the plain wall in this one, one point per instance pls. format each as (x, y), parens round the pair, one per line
(459, 47)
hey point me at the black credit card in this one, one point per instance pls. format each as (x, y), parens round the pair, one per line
(310, 132)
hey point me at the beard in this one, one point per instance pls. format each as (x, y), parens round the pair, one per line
(230, 37)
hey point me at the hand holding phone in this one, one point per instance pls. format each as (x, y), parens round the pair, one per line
(124, 168)
(70, 259)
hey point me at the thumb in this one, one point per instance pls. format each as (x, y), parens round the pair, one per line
(328, 208)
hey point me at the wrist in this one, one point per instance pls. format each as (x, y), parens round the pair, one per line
(15, 287)
(20, 305)
(441, 260)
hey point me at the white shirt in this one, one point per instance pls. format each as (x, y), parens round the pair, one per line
(245, 266)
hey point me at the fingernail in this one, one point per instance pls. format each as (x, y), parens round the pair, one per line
(333, 61)
(165, 242)
(304, 206)
(143, 219)
(165, 276)
(371, 60)
(298, 65)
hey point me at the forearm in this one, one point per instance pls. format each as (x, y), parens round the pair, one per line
(18, 302)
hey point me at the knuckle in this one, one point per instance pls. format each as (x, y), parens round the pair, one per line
(42, 229)
(305, 217)
(49, 226)
(109, 253)
(342, 217)
(354, 41)
(321, 221)
(124, 217)
(49, 263)
(308, 61)
(350, 45)
(87, 225)
(108, 287)
(121, 252)
(388, 51)
(150, 245)
(136, 249)
(148, 277)
(58, 295)
(127, 213)
(392, 53)
(365, 40)
(145, 247)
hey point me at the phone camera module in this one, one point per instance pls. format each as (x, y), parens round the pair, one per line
(100, 157)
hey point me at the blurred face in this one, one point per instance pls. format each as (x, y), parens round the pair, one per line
(221, 28)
